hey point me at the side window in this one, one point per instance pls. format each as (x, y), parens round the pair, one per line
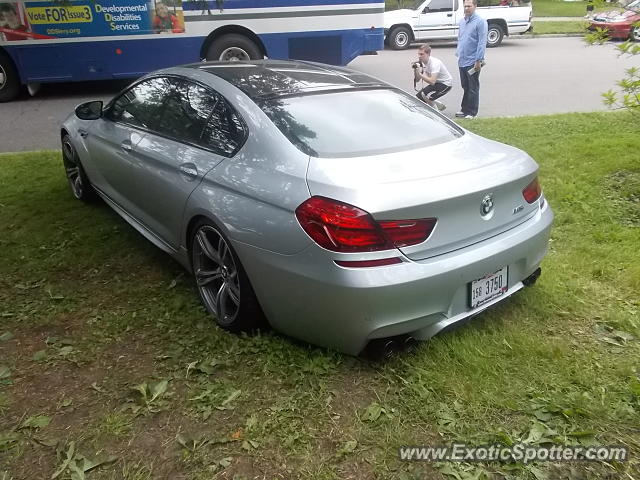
(440, 6)
(225, 132)
(186, 111)
(141, 105)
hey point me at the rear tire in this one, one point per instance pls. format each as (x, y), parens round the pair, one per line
(233, 47)
(399, 38)
(223, 285)
(495, 34)
(9, 79)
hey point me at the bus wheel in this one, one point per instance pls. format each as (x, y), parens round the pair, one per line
(233, 48)
(9, 81)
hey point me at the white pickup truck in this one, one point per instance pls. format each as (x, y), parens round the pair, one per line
(429, 20)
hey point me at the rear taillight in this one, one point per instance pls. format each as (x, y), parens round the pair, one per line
(341, 227)
(532, 191)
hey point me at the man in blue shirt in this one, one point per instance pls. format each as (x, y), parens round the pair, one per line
(472, 41)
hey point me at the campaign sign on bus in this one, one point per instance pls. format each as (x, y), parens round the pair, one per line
(86, 18)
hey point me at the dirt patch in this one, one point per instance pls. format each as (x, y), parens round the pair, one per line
(623, 189)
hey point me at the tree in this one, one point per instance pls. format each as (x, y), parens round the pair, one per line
(627, 94)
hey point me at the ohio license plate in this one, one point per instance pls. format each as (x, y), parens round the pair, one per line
(488, 287)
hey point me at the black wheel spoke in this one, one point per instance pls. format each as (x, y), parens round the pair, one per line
(207, 248)
(205, 277)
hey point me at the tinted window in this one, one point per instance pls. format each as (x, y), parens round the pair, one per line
(363, 122)
(225, 132)
(141, 105)
(441, 6)
(186, 110)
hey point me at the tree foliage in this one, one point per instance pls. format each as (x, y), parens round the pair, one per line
(626, 95)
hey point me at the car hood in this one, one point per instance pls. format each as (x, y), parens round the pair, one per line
(398, 16)
(615, 16)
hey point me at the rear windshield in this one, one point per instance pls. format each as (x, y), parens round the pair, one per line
(357, 123)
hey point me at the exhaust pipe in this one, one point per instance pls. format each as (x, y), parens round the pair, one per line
(385, 348)
(531, 279)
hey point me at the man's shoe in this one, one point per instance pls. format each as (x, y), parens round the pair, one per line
(460, 114)
(469, 116)
(441, 106)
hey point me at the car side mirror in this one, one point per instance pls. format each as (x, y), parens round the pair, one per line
(425, 10)
(90, 110)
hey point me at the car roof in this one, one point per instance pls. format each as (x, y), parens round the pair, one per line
(265, 79)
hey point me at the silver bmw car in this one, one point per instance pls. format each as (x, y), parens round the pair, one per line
(336, 208)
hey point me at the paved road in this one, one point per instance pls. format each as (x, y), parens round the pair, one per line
(522, 77)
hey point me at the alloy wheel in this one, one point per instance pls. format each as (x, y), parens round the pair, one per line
(216, 274)
(72, 168)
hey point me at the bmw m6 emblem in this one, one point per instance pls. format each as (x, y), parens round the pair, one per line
(486, 207)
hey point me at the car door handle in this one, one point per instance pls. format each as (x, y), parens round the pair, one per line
(83, 133)
(126, 146)
(189, 170)
(449, 14)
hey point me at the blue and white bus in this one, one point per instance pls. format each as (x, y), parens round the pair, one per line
(79, 40)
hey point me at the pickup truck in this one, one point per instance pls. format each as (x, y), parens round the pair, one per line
(428, 20)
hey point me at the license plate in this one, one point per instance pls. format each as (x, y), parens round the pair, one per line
(488, 287)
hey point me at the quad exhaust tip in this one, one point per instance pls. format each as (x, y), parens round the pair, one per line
(386, 348)
(531, 279)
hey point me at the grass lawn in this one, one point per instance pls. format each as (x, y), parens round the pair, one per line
(541, 28)
(541, 8)
(107, 358)
(559, 8)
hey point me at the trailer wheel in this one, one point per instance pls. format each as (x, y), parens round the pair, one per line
(9, 80)
(233, 47)
(399, 38)
(494, 35)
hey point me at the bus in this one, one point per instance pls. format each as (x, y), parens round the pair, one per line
(80, 40)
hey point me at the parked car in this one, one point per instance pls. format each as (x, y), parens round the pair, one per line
(341, 208)
(428, 20)
(624, 25)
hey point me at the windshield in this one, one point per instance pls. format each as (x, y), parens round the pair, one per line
(357, 123)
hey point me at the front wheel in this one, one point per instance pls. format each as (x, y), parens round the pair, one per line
(9, 80)
(222, 283)
(233, 47)
(399, 38)
(495, 35)
(78, 180)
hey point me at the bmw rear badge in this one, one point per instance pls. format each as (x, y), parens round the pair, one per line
(486, 207)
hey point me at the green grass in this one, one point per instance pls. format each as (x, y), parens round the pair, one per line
(542, 28)
(110, 345)
(558, 8)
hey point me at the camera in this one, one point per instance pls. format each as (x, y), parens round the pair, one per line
(416, 65)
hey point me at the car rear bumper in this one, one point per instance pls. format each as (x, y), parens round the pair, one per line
(615, 30)
(309, 297)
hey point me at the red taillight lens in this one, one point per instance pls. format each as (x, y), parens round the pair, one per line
(532, 191)
(408, 232)
(341, 227)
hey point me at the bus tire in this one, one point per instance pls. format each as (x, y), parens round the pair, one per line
(399, 38)
(9, 80)
(494, 35)
(233, 47)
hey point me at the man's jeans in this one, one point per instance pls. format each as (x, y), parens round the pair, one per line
(471, 86)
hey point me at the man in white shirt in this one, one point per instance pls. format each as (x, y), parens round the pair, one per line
(432, 71)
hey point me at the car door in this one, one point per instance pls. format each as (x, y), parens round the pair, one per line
(191, 137)
(113, 140)
(438, 20)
